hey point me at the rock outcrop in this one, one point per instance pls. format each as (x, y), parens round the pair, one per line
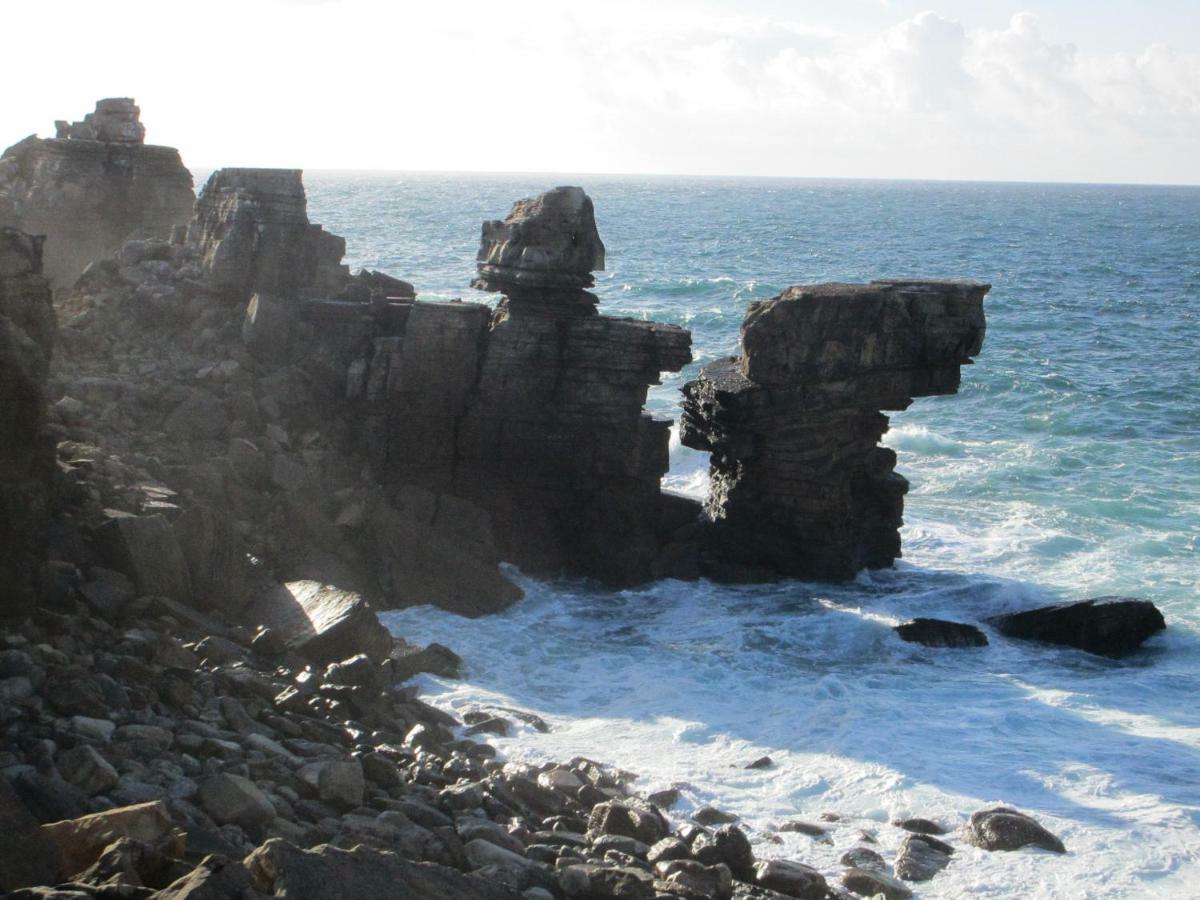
(1107, 626)
(940, 633)
(27, 463)
(1002, 828)
(534, 411)
(251, 234)
(92, 187)
(799, 484)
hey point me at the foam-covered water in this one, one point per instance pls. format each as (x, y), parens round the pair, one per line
(1068, 466)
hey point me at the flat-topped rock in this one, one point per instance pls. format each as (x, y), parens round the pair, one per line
(321, 622)
(93, 187)
(1108, 626)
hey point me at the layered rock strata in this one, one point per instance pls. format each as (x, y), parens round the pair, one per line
(799, 484)
(92, 187)
(533, 411)
(27, 468)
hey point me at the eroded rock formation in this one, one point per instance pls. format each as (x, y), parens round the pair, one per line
(534, 411)
(799, 483)
(26, 446)
(92, 187)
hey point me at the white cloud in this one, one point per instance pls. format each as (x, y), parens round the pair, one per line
(625, 87)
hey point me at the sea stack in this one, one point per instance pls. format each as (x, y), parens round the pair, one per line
(534, 410)
(799, 484)
(93, 186)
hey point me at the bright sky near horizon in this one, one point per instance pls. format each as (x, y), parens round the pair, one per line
(1030, 90)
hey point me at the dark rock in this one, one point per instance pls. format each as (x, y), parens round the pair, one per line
(435, 659)
(708, 815)
(628, 818)
(251, 234)
(921, 857)
(1109, 626)
(792, 879)
(27, 466)
(215, 878)
(88, 195)
(728, 845)
(231, 799)
(798, 483)
(667, 849)
(763, 762)
(1002, 828)
(84, 767)
(869, 883)
(864, 858)
(695, 879)
(281, 869)
(320, 622)
(145, 548)
(49, 797)
(27, 857)
(920, 826)
(940, 633)
(804, 828)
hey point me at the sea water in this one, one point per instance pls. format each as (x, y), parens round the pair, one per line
(1068, 466)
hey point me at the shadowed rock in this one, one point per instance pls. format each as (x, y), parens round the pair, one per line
(1108, 626)
(27, 464)
(798, 483)
(92, 187)
(940, 633)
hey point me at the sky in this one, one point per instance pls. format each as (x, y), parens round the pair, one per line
(1025, 90)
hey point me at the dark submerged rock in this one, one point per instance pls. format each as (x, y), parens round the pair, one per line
(1108, 626)
(940, 633)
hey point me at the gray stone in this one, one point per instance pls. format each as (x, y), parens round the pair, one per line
(920, 858)
(791, 878)
(232, 799)
(87, 769)
(869, 883)
(1002, 828)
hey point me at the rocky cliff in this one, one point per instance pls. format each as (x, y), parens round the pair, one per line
(93, 186)
(26, 445)
(534, 411)
(799, 483)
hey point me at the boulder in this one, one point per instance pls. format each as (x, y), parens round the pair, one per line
(871, 883)
(792, 879)
(146, 549)
(920, 857)
(435, 659)
(628, 818)
(27, 856)
(215, 878)
(940, 633)
(321, 622)
(84, 767)
(234, 800)
(1002, 828)
(82, 840)
(283, 870)
(341, 783)
(728, 845)
(1108, 626)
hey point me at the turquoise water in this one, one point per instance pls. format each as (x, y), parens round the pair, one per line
(1068, 466)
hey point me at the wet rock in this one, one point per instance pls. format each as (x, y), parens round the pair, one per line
(728, 845)
(808, 828)
(669, 848)
(869, 883)
(435, 659)
(93, 188)
(1002, 828)
(920, 826)
(791, 878)
(708, 816)
(232, 799)
(798, 483)
(696, 879)
(864, 858)
(920, 857)
(1108, 626)
(763, 762)
(940, 633)
(629, 819)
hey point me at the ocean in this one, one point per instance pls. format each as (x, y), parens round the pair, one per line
(1068, 466)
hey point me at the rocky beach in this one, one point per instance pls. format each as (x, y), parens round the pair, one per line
(223, 454)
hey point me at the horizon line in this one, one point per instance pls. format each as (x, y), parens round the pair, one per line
(333, 170)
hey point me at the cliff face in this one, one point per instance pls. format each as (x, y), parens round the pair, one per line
(26, 446)
(534, 412)
(251, 234)
(92, 187)
(799, 485)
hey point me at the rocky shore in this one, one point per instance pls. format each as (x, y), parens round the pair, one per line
(221, 452)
